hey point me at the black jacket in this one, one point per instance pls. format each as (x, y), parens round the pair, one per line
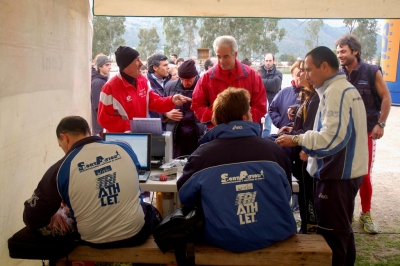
(98, 82)
(189, 124)
(272, 80)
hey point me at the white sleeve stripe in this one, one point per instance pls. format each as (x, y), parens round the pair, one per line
(106, 99)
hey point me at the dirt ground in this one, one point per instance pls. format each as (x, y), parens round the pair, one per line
(385, 208)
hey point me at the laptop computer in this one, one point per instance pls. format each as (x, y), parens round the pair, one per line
(141, 145)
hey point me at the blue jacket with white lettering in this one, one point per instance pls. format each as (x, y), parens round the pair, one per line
(99, 183)
(244, 190)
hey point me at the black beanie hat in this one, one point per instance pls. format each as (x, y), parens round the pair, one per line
(124, 56)
(187, 70)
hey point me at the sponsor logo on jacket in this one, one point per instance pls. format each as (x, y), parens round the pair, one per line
(247, 207)
(242, 177)
(237, 127)
(108, 189)
(99, 161)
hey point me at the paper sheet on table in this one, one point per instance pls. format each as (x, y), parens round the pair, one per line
(146, 125)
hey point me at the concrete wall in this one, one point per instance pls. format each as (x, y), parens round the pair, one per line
(45, 49)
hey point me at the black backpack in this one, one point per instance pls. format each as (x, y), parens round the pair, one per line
(179, 231)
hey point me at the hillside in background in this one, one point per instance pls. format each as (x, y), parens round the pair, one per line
(292, 43)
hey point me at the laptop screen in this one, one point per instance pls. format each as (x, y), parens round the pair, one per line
(140, 143)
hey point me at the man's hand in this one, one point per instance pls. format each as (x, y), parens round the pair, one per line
(285, 141)
(174, 114)
(179, 99)
(284, 129)
(377, 132)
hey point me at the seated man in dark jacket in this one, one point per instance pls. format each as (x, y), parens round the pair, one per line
(241, 180)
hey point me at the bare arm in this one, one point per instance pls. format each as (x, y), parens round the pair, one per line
(384, 93)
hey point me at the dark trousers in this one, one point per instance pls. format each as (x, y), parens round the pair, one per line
(185, 145)
(334, 203)
(306, 199)
(30, 244)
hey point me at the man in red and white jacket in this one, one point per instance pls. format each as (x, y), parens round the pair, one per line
(127, 94)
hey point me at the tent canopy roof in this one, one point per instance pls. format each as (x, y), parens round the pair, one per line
(250, 8)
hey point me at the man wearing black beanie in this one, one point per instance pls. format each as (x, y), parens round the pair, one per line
(186, 128)
(127, 94)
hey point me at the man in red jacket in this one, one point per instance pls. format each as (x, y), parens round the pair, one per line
(127, 94)
(229, 72)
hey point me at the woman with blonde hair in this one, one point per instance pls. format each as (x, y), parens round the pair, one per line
(173, 71)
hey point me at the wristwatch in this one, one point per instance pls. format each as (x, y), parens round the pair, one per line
(295, 140)
(382, 124)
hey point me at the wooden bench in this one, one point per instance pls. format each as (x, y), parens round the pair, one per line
(296, 250)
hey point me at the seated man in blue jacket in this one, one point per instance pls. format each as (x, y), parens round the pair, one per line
(241, 180)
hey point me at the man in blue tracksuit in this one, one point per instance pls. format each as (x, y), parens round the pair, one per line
(337, 150)
(244, 190)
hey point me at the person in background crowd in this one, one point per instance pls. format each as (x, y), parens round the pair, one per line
(208, 64)
(127, 94)
(185, 127)
(337, 150)
(198, 68)
(257, 215)
(173, 71)
(158, 77)
(229, 72)
(246, 61)
(361, 75)
(144, 70)
(272, 80)
(94, 62)
(278, 108)
(173, 58)
(179, 61)
(99, 78)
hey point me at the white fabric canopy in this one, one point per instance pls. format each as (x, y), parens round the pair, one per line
(250, 8)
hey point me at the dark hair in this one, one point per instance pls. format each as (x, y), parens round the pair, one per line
(207, 64)
(176, 56)
(74, 125)
(180, 59)
(246, 61)
(230, 105)
(322, 54)
(143, 67)
(155, 60)
(352, 41)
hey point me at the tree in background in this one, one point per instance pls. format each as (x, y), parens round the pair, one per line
(253, 35)
(365, 30)
(172, 32)
(351, 24)
(107, 34)
(287, 58)
(312, 30)
(188, 36)
(148, 43)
